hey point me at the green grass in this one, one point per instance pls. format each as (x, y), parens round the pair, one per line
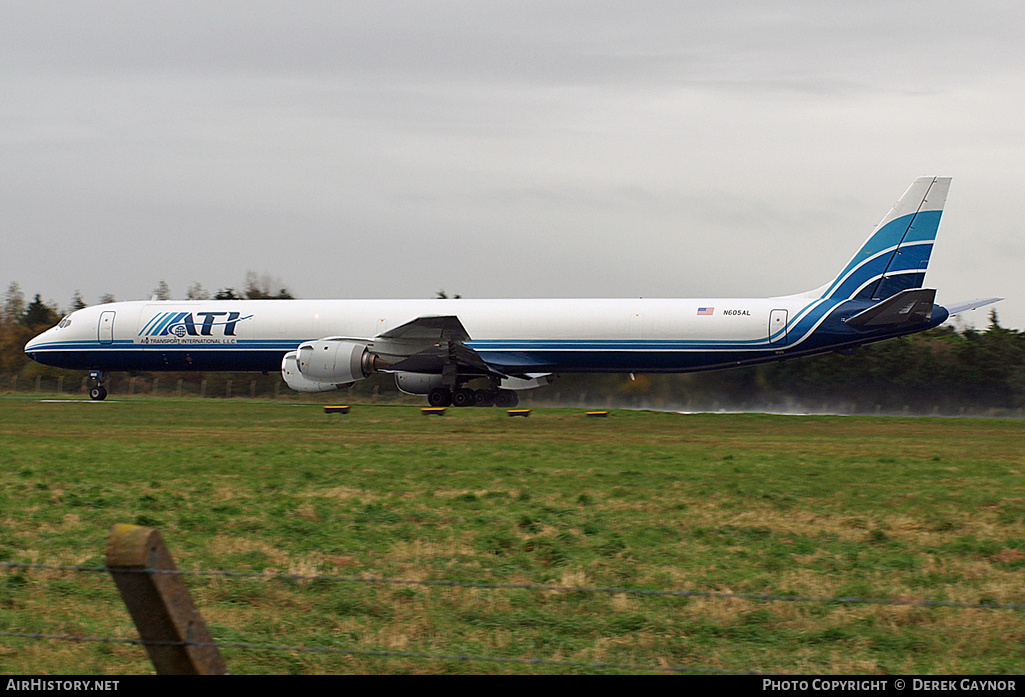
(824, 506)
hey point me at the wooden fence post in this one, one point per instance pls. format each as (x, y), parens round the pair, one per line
(168, 621)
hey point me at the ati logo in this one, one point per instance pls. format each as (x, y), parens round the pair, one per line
(183, 324)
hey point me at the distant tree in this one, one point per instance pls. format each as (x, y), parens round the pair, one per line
(259, 288)
(442, 295)
(13, 333)
(162, 291)
(226, 294)
(14, 304)
(77, 303)
(107, 298)
(40, 314)
(197, 292)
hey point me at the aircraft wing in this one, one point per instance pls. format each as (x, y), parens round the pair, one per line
(436, 357)
(437, 341)
(912, 305)
(957, 308)
(429, 328)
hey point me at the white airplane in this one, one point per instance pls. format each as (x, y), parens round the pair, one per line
(436, 347)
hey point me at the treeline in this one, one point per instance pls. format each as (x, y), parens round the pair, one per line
(943, 371)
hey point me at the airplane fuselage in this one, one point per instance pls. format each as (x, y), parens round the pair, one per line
(552, 335)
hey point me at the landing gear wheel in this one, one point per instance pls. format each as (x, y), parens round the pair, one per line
(98, 391)
(463, 397)
(439, 397)
(507, 399)
(484, 398)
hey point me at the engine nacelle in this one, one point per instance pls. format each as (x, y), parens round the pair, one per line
(417, 383)
(331, 360)
(295, 380)
(334, 361)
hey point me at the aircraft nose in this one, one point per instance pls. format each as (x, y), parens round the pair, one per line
(33, 344)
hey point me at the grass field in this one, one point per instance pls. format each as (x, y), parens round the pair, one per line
(916, 508)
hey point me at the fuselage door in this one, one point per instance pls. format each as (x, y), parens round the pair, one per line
(778, 327)
(106, 327)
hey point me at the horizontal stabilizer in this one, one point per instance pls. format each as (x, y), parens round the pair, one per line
(908, 306)
(957, 308)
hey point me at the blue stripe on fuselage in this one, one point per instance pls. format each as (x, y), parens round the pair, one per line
(819, 328)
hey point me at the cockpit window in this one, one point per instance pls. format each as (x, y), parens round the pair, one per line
(66, 322)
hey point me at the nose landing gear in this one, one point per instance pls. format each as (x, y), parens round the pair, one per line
(99, 390)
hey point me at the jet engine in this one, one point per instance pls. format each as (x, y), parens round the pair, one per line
(328, 364)
(417, 383)
(295, 380)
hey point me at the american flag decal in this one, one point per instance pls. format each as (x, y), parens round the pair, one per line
(706, 310)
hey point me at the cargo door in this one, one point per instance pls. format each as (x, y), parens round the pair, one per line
(778, 327)
(106, 327)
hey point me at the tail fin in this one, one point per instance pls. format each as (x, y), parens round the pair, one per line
(895, 256)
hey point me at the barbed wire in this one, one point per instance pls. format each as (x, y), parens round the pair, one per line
(683, 593)
(466, 657)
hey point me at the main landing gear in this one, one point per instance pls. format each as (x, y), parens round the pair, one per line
(466, 397)
(99, 390)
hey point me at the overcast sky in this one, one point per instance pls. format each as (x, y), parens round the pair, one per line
(504, 149)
